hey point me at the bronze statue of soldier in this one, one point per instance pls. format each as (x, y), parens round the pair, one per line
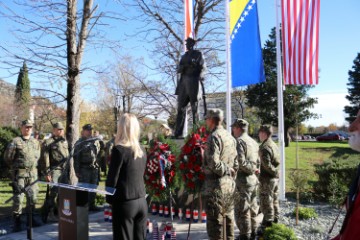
(191, 69)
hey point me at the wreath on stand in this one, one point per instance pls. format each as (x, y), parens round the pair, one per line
(191, 159)
(160, 174)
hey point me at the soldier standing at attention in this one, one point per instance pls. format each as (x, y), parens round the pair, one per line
(22, 156)
(54, 150)
(85, 161)
(269, 177)
(220, 166)
(246, 207)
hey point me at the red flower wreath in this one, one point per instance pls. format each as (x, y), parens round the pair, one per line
(191, 159)
(160, 170)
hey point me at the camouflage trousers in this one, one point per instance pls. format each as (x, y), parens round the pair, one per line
(23, 182)
(90, 175)
(269, 199)
(54, 190)
(214, 206)
(246, 209)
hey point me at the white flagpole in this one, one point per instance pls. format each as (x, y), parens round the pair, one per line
(185, 130)
(228, 64)
(280, 106)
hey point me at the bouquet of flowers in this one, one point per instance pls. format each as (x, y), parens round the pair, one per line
(191, 159)
(160, 170)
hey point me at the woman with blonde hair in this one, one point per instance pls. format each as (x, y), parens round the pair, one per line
(126, 173)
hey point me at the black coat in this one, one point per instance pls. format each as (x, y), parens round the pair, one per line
(126, 174)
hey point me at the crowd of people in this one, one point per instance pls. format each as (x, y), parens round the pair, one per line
(234, 165)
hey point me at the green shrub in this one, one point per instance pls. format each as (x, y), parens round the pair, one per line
(334, 178)
(279, 232)
(338, 190)
(6, 135)
(306, 213)
(99, 200)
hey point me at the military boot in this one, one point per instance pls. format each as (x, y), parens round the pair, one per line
(253, 235)
(17, 223)
(51, 217)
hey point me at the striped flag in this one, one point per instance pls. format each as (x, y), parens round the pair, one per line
(247, 65)
(189, 19)
(300, 41)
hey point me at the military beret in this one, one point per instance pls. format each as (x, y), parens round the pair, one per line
(87, 127)
(267, 129)
(27, 123)
(58, 125)
(215, 113)
(240, 123)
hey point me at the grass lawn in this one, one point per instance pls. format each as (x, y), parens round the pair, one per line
(311, 153)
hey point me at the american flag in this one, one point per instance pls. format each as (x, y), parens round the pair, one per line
(189, 19)
(300, 41)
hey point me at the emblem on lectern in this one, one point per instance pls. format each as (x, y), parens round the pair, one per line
(66, 211)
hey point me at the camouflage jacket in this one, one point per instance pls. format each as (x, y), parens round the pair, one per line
(86, 154)
(220, 155)
(54, 150)
(108, 148)
(22, 156)
(248, 157)
(270, 159)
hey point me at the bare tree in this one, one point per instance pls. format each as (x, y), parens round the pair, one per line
(163, 26)
(126, 82)
(51, 36)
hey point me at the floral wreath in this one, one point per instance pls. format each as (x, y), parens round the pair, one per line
(191, 159)
(160, 170)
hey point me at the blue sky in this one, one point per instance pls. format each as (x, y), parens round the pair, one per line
(339, 44)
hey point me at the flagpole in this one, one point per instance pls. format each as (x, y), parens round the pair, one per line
(280, 106)
(228, 65)
(186, 126)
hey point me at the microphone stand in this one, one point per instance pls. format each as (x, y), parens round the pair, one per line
(28, 189)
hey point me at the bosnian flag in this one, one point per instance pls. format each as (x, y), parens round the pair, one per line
(300, 41)
(189, 19)
(247, 65)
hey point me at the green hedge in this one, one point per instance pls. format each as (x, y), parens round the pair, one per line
(334, 178)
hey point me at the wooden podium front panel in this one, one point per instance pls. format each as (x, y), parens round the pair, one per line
(73, 215)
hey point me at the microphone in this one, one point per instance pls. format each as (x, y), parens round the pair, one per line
(88, 140)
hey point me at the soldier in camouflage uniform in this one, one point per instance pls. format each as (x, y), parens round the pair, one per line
(86, 162)
(269, 176)
(102, 153)
(246, 207)
(54, 150)
(108, 148)
(22, 156)
(220, 166)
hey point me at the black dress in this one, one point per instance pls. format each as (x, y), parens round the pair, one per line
(129, 207)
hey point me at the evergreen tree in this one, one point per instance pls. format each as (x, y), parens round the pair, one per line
(22, 92)
(263, 96)
(354, 91)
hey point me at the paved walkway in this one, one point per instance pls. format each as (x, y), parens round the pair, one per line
(101, 230)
